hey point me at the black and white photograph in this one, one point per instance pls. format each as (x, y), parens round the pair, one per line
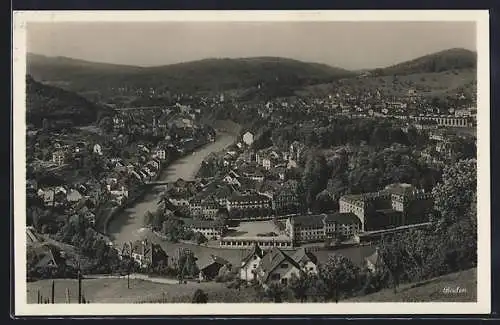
(180, 163)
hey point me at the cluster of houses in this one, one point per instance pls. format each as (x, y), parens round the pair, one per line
(111, 170)
(262, 265)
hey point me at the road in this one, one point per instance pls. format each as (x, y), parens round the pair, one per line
(128, 225)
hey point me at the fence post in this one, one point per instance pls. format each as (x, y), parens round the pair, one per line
(38, 297)
(68, 299)
(79, 287)
(52, 292)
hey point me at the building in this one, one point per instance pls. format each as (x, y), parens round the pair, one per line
(161, 153)
(306, 260)
(59, 157)
(341, 225)
(396, 205)
(277, 267)
(206, 208)
(314, 228)
(286, 201)
(208, 228)
(209, 267)
(373, 262)
(250, 206)
(251, 201)
(250, 263)
(97, 149)
(447, 121)
(145, 253)
(306, 228)
(264, 242)
(248, 138)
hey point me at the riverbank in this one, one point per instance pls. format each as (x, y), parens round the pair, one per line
(125, 224)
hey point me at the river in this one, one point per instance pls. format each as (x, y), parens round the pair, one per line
(128, 226)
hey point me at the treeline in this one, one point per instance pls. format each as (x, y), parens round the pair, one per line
(48, 106)
(342, 131)
(360, 170)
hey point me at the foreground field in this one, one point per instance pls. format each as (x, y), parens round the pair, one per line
(455, 287)
(116, 291)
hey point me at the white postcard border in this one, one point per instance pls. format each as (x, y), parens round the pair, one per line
(483, 304)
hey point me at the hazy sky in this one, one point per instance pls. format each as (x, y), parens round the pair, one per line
(350, 45)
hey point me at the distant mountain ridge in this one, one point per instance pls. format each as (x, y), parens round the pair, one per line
(451, 59)
(280, 77)
(201, 75)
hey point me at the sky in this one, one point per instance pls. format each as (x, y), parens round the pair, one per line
(348, 45)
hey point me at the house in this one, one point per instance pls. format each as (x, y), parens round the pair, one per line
(308, 261)
(119, 193)
(97, 149)
(250, 263)
(31, 185)
(255, 175)
(53, 196)
(276, 267)
(44, 256)
(59, 157)
(210, 266)
(291, 164)
(32, 236)
(248, 138)
(161, 153)
(373, 262)
(73, 196)
(145, 253)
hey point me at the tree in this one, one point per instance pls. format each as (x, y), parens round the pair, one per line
(315, 177)
(275, 292)
(148, 219)
(106, 124)
(200, 297)
(324, 202)
(200, 238)
(300, 285)
(392, 255)
(340, 276)
(455, 195)
(187, 264)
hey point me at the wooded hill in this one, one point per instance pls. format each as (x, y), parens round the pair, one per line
(55, 105)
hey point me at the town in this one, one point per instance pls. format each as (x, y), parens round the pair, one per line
(331, 193)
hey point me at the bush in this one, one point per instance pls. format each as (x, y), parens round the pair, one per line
(200, 297)
(200, 238)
